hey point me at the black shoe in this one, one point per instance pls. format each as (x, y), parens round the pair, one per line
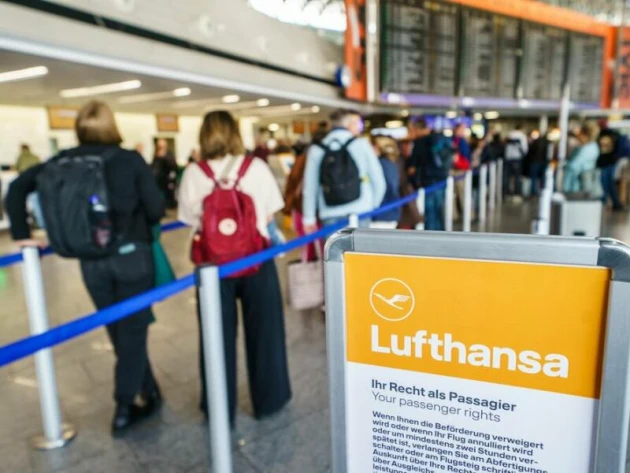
(128, 415)
(153, 398)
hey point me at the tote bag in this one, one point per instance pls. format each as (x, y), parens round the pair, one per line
(163, 271)
(306, 282)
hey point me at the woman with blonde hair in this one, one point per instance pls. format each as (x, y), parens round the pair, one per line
(125, 211)
(224, 170)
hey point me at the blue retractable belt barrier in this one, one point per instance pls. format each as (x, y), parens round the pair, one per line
(30, 345)
(62, 333)
(14, 258)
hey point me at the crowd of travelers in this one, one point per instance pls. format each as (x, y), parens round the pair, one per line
(101, 204)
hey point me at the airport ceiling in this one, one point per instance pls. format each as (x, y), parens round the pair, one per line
(144, 94)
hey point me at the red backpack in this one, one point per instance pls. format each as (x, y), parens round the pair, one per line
(228, 224)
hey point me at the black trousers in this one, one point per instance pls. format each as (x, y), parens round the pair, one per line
(263, 318)
(513, 172)
(112, 280)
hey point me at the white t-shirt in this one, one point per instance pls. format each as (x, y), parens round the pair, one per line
(258, 183)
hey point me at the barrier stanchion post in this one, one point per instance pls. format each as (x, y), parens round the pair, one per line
(448, 205)
(468, 188)
(492, 187)
(483, 193)
(420, 204)
(542, 223)
(56, 434)
(353, 221)
(500, 181)
(549, 182)
(214, 357)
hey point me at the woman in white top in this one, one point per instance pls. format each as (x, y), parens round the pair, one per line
(263, 317)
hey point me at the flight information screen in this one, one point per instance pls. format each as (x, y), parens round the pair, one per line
(419, 47)
(544, 62)
(585, 69)
(490, 55)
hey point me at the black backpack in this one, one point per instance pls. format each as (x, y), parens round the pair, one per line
(74, 198)
(339, 175)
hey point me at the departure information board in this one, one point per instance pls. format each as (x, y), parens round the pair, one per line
(437, 48)
(544, 62)
(490, 55)
(586, 68)
(419, 47)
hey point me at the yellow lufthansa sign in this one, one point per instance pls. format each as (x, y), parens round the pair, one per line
(524, 325)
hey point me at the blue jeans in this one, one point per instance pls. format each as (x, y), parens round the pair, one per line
(610, 190)
(537, 175)
(434, 210)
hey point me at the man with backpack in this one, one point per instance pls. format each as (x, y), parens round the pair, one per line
(430, 163)
(516, 149)
(342, 176)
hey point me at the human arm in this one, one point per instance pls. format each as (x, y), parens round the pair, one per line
(190, 205)
(150, 196)
(19, 190)
(311, 187)
(272, 200)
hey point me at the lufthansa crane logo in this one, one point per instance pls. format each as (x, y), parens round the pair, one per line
(392, 300)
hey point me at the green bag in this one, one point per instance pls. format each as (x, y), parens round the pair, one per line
(164, 273)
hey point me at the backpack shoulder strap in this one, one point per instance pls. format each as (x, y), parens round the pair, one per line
(207, 170)
(247, 162)
(349, 142)
(322, 146)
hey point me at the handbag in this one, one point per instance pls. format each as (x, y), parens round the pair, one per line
(164, 273)
(461, 163)
(306, 282)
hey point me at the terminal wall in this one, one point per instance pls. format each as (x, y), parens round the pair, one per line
(30, 125)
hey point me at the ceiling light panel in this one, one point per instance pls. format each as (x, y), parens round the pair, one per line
(101, 89)
(156, 96)
(23, 74)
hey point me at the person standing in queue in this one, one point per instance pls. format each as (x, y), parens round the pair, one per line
(210, 193)
(110, 233)
(164, 168)
(516, 148)
(431, 163)
(26, 160)
(342, 175)
(612, 147)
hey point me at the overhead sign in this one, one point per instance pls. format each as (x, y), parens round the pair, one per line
(62, 117)
(167, 122)
(466, 365)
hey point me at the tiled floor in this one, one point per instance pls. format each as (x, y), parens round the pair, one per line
(295, 441)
